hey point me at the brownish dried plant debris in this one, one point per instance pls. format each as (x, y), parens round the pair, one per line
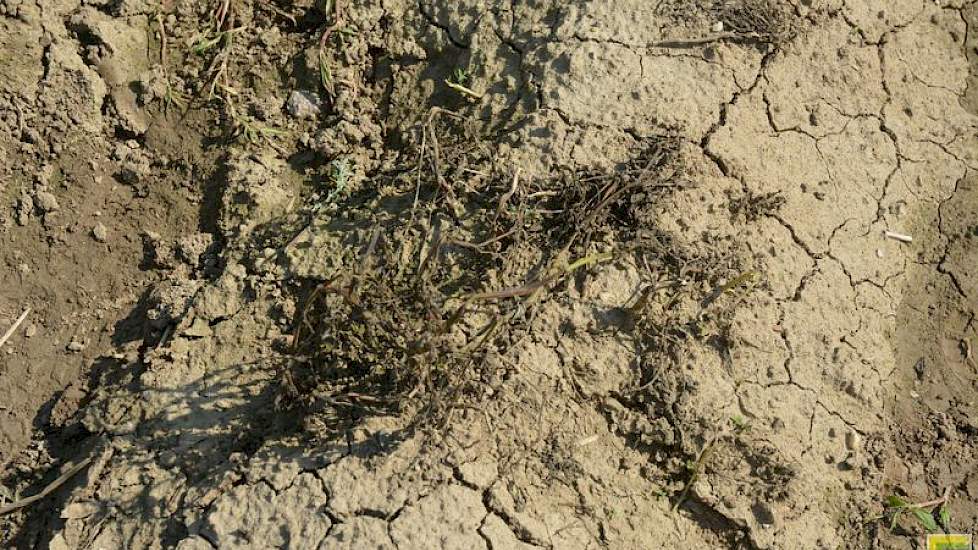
(420, 318)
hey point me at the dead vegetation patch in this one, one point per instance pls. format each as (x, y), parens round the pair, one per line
(768, 20)
(772, 22)
(417, 321)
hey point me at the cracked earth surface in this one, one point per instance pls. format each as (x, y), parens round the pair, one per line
(850, 362)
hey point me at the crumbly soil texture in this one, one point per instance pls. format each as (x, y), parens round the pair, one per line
(488, 274)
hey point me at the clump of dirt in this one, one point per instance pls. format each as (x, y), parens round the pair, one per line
(83, 176)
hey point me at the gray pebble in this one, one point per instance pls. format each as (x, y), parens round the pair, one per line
(75, 346)
(100, 233)
(46, 201)
(303, 104)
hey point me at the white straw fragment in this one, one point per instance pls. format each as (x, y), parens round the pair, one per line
(588, 440)
(898, 237)
(13, 328)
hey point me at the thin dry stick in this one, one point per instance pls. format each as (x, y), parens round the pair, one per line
(337, 21)
(221, 15)
(697, 470)
(936, 501)
(464, 90)
(159, 21)
(686, 43)
(507, 195)
(10, 332)
(530, 288)
(25, 502)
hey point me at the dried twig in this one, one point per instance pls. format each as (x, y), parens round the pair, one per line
(337, 21)
(898, 237)
(25, 502)
(697, 469)
(507, 195)
(163, 60)
(936, 501)
(691, 42)
(13, 328)
(530, 288)
(464, 90)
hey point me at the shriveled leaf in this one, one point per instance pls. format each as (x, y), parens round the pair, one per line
(926, 518)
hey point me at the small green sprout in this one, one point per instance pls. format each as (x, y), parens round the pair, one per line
(243, 125)
(340, 169)
(202, 43)
(923, 512)
(740, 423)
(325, 74)
(252, 132)
(457, 81)
(173, 97)
(460, 76)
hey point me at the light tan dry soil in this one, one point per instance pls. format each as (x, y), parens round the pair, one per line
(164, 261)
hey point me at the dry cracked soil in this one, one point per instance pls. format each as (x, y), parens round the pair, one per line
(481, 274)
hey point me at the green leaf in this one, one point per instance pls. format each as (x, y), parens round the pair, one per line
(896, 516)
(945, 515)
(894, 501)
(926, 519)
(204, 43)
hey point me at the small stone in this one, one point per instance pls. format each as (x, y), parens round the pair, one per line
(852, 440)
(717, 27)
(304, 104)
(100, 233)
(46, 201)
(25, 207)
(30, 331)
(79, 510)
(75, 346)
